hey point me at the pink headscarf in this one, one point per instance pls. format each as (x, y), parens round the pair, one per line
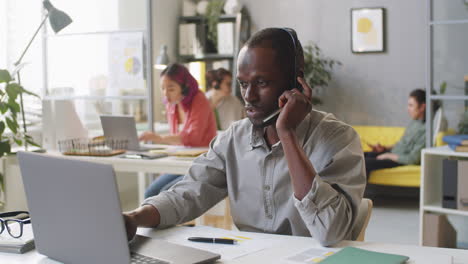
(180, 74)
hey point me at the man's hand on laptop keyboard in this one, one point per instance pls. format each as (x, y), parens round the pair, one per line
(130, 225)
(145, 216)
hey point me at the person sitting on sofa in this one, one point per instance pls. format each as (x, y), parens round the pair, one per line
(226, 107)
(407, 151)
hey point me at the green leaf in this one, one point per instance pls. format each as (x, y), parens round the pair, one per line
(2, 187)
(443, 87)
(3, 107)
(18, 141)
(14, 106)
(32, 143)
(13, 126)
(5, 148)
(28, 92)
(2, 127)
(5, 76)
(13, 89)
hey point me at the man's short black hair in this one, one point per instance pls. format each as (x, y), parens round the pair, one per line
(281, 42)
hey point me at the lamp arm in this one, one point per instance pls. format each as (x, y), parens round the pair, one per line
(23, 117)
(32, 39)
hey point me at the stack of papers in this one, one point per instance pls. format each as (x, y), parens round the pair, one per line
(17, 245)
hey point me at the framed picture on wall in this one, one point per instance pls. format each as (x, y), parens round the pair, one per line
(367, 30)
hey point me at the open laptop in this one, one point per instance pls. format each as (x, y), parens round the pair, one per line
(77, 218)
(122, 127)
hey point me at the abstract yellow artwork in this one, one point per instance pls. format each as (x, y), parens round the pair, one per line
(367, 30)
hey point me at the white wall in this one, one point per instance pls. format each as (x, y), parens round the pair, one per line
(165, 31)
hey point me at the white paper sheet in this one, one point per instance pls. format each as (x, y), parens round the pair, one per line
(311, 255)
(244, 246)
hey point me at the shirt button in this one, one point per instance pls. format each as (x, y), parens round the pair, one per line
(267, 187)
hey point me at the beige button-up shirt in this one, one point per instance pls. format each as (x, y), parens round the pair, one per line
(239, 164)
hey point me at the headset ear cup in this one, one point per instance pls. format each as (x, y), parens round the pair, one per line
(185, 90)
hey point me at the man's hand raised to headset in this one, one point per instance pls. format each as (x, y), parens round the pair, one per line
(295, 107)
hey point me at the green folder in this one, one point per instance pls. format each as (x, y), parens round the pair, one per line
(351, 255)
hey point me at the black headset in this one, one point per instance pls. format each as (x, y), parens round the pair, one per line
(291, 34)
(218, 80)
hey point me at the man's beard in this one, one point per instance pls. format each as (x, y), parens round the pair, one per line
(261, 124)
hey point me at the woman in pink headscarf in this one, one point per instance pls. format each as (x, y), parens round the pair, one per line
(186, 105)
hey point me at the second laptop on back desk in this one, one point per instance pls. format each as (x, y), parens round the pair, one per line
(124, 127)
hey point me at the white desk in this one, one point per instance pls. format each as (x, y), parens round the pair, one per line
(174, 165)
(283, 247)
(14, 191)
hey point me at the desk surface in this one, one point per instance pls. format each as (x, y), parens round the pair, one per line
(280, 248)
(175, 165)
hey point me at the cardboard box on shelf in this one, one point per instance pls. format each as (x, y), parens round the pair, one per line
(438, 232)
(462, 191)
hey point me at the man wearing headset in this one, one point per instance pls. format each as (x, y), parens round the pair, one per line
(300, 172)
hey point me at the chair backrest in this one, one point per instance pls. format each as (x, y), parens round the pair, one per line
(362, 220)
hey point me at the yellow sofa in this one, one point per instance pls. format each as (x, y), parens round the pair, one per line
(403, 176)
(406, 176)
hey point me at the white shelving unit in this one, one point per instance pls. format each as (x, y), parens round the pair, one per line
(431, 184)
(445, 21)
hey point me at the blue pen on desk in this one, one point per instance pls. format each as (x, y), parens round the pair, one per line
(213, 240)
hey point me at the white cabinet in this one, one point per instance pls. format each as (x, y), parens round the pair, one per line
(431, 184)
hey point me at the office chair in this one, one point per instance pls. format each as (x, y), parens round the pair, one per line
(362, 220)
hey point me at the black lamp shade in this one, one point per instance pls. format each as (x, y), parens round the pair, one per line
(57, 18)
(163, 59)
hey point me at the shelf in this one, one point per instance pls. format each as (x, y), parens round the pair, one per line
(448, 97)
(87, 97)
(444, 151)
(438, 209)
(448, 22)
(205, 57)
(198, 19)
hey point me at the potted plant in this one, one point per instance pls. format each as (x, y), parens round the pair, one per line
(10, 132)
(317, 69)
(212, 14)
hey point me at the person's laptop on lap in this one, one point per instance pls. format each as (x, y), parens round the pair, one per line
(122, 127)
(76, 215)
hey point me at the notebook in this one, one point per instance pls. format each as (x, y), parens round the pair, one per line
(352, 255)
(17, 245)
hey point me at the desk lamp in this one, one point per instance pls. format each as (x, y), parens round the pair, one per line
(163, 59)
(58, 21)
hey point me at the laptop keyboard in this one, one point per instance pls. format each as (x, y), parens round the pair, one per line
(140, 259)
